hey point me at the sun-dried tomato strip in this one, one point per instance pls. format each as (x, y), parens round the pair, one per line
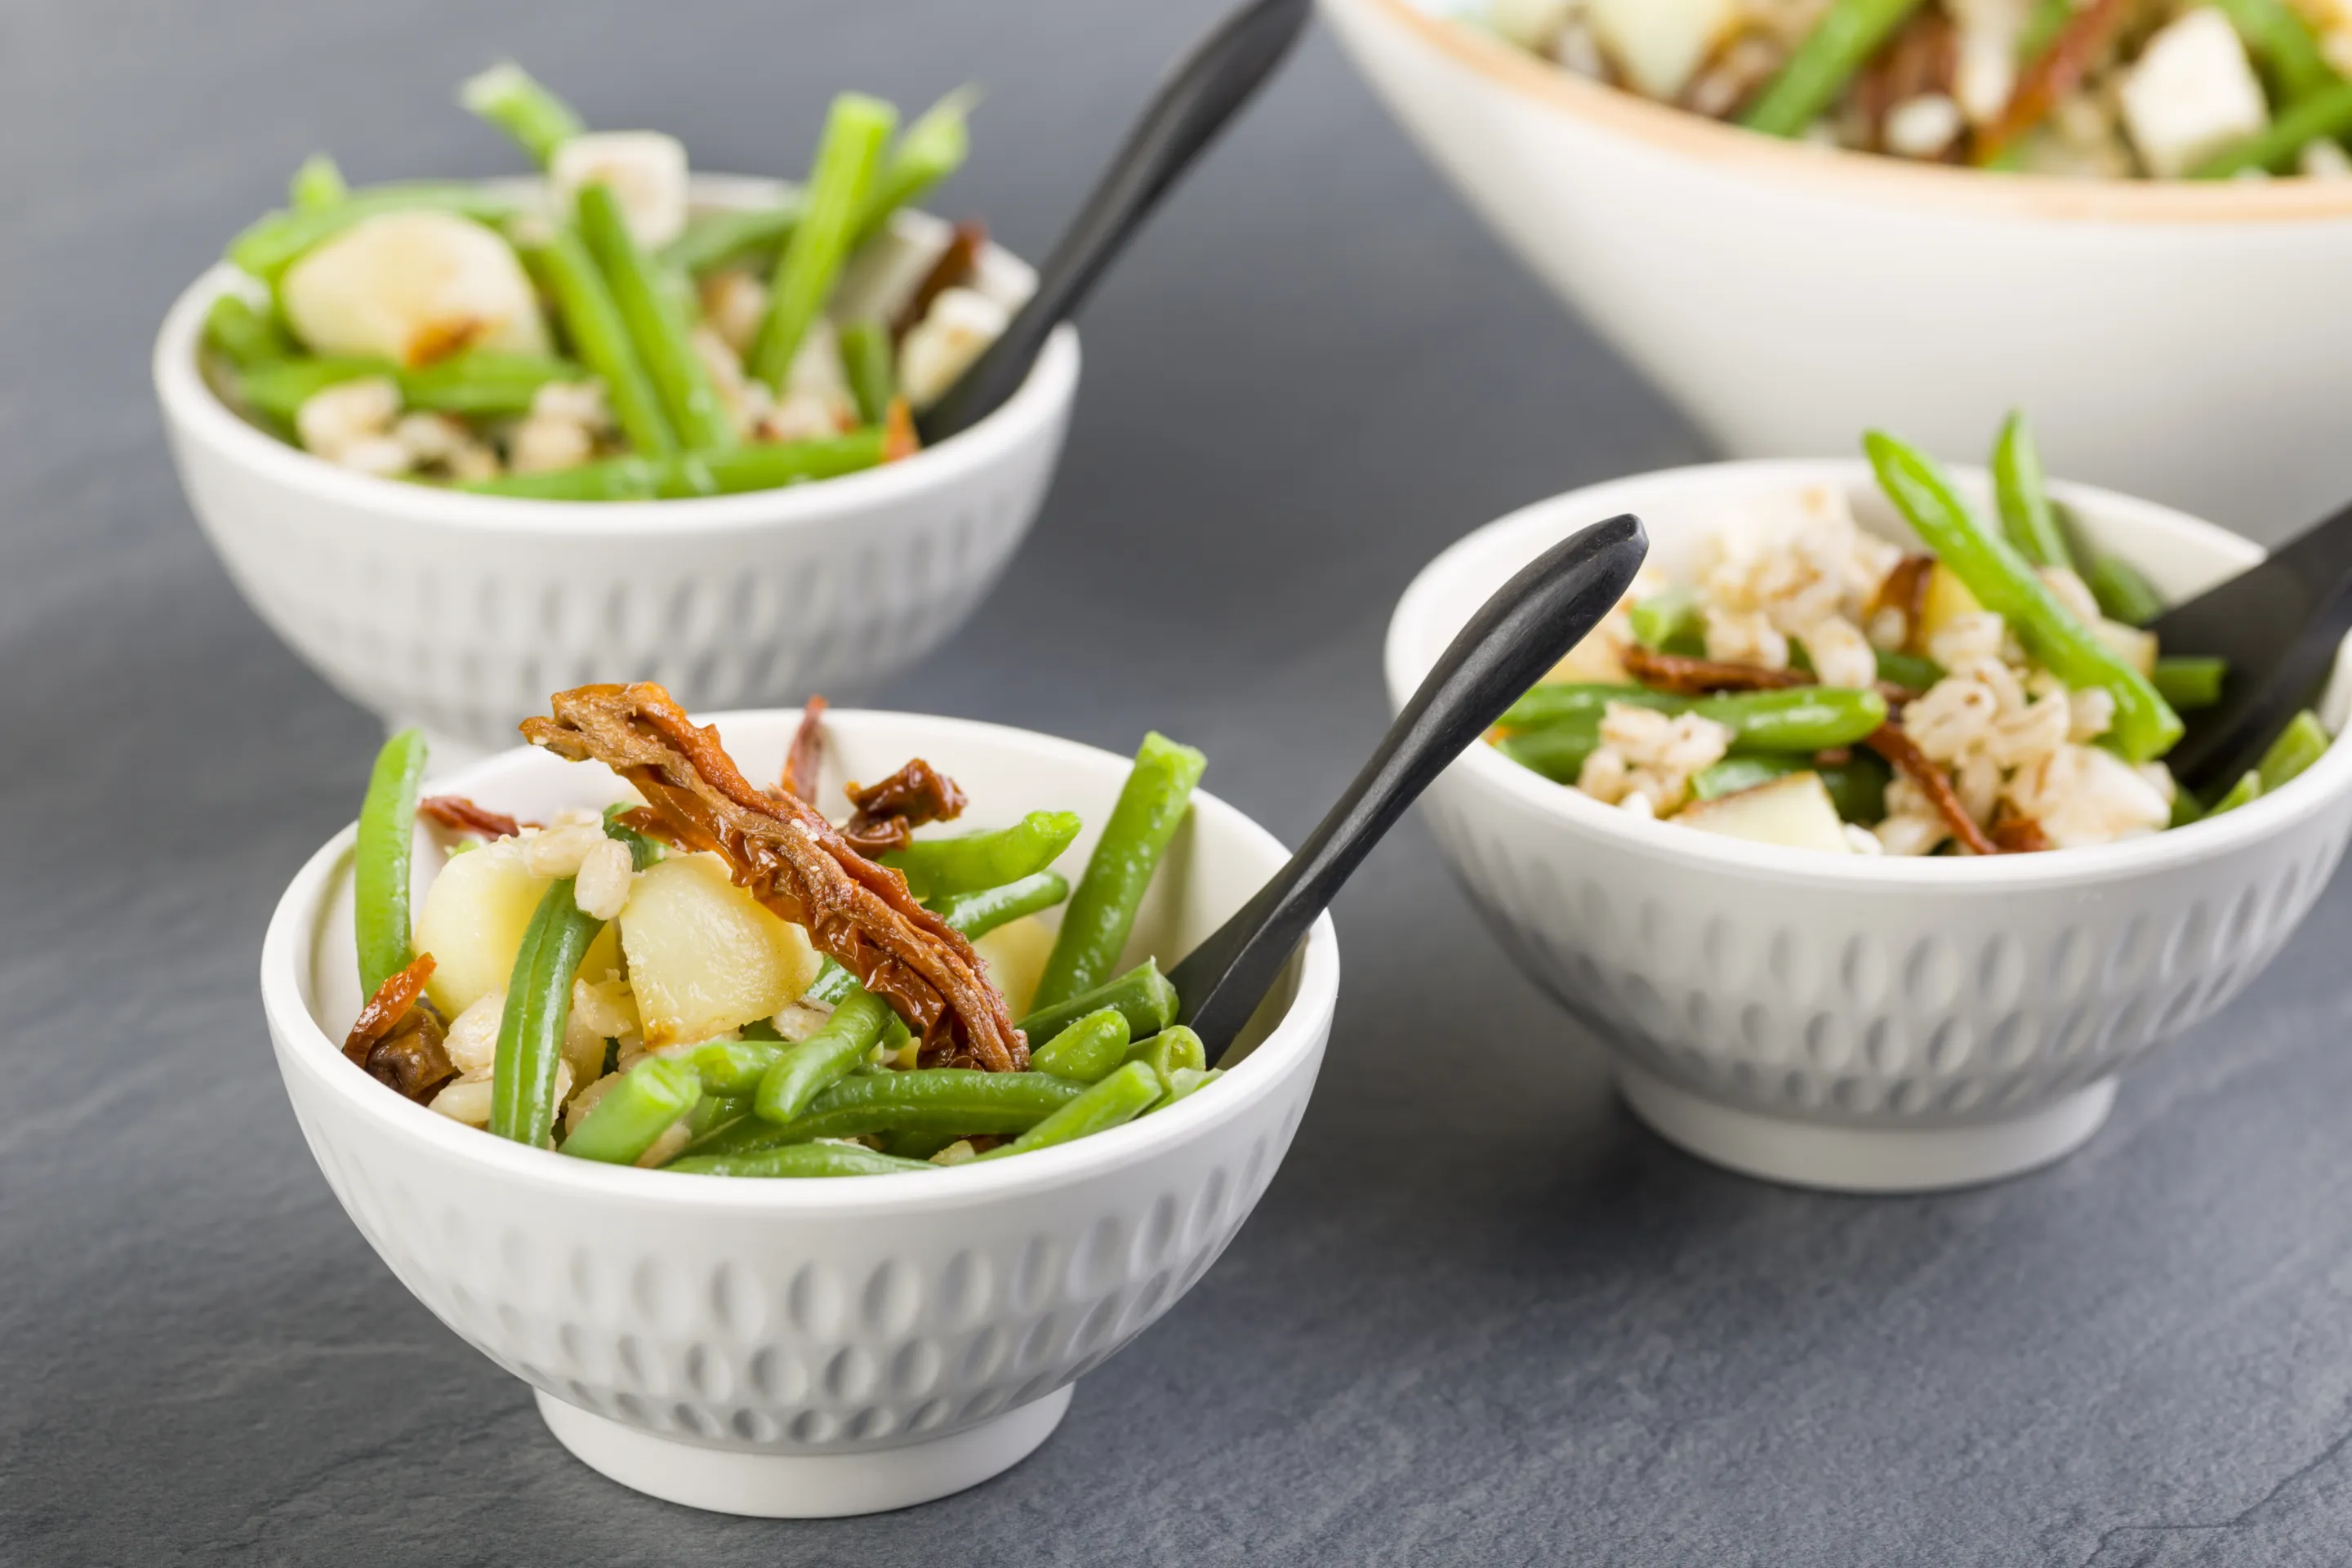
(957, 267)
(805, 761)
(2046, 83)
(390, 1003)
(459, 815)
(1905, 588)
(888, 812)
(1696, 677)
(1889, 742)
(397, 1041)
(898, 436)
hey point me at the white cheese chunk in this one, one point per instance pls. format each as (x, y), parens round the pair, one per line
(2192, 94)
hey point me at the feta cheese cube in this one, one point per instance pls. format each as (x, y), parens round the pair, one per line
(2192, 94)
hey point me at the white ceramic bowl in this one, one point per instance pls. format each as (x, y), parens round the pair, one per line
(815, 1347)
(461, 613)
(1851, 1022)
(2181, 340)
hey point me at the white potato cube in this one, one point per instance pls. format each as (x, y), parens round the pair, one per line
(2192, 94)
(645, 169)
(942, 345)
(1795, 810)
(413, 286)
(472, 923)
(1661, 43)
(1531, 24)
(1013, 955)
(2137, 647)
(706, 957)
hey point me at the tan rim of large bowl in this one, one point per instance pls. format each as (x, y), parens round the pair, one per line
(2026, 196)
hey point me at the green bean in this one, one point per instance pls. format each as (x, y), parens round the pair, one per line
(2145, 727)
(977, 915)
(1184, 1083)
(2186, 809)
(1796, 718)
(2191, 680)
(483, 384)
(2043, 22)
(539, 1006)
(1172, 1050)
(643, 851)
(733, 1068)
(832, 983)
(629, 1116)
(1142, 993)
(657, 329)
(1116, 1100)
(712, 240)
(1908, 670)
(801, 1159)
(2123, 594)
(278, 388)
(245, 337)
(277, 240)
(1670, 622)
(2301, 744)
(2248, 787)
(2282, 41)
(600, 338)
(1087, 1050)
(1857, 786)
(1848, 33)
(1101, 913)
(971, 862)
(961, 1100)
(1734, 774)
(713, 1111)
(866, 360)
(758, 465)
(317, 183)
(2022, 494)
(1558, 750)
(508, 97)
(380, 860)
(2323, 116)
(1555, 700)
(846, 159)
(802, 1072)
(931, 149)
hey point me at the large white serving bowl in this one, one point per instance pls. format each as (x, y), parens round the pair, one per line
(810, 1348)
(460, 613)
(1852, 1022)
(2182, 340)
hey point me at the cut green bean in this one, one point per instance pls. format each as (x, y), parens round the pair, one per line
(657, 329)
(2189, 681)
(2145, 726)
(713, 241)
(971, 862)
(2123, 594)
(758, 465)
(2301, 744)
(380, 860)
(865, 360)
(483, 384)
(1185, 1083)
(1549, 704)
(2022, 493)
(244, 336)
(2323, 116)
(1857, 786)
(2044, 20)
(1908, 670)
(1847, 34)
(802, 1072)
(2248, 787)
(733, 1068)
(855, 131)
(629, 1116)
(317, 183)
(1172, 1050)
(643, 851)
(1087, 1050)
(1670, 621)
(600, 336)
(1557, 751)
(277, 240)
(1143, 994)
(2281, 42)
(713, 1111)
(976, 914)
(961, 1100)
(1734, 774)
(2186, 808)
(539, 1006)
(1094, 928)
(931, 149)
(1116, 1100)
(1796, 718)
(800, 1160)
(506, 96)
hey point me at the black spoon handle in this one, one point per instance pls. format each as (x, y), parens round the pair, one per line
(1510, 643)
(1191, 108)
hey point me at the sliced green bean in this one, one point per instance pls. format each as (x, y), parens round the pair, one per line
(733, 1068)
(978, 913)
(245, 337)
(629, 1116)
(1857, 786)
(643, 851)
(800, 1160)
(2022, 493)
(2044, 20)
(539, 1006)
(2191, 680)
(758, 465)
(657, 328)
(1184, 1083)
(1848, 33)
(2123, 594)
(1143, 994)
(1087, 1050)
(866, 359)
(1116, 1100)
(802, 1072)
(600, 336)
(2186, 808)
(2281, 40)
(1908, 670)
(380, 860)
(713, 1111)
(2303, 742)
(712, 240)
(317, 183)
(1558, 750)
(2248, 787)
(483, 384)
(1797, 718)
(2145, 726)
(961, 1100)
(506, 96)
(1549, 704)
(1670, 622)
(1094, 928)
(2323, 116)
(277, 240)
(971, 862)
(855, 131)
(1172, 1050)
(931, 149)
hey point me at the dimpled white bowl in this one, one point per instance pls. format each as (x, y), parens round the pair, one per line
(812, 1348)
(460, 613)
(1858, 1023)
(2182, 340)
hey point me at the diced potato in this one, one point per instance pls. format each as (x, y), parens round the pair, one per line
(1013, 955)
(472, 923)
(704, 956)
(1661, 43)
(413, 286)
(644, 169)
(2192, 94)
(2137, 647)
(1795, 810)
(1595, 659)
(1947, 600)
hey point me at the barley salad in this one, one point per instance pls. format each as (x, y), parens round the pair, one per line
(2097, 89)
(1811, 684)
(720, 980)
(594, 337)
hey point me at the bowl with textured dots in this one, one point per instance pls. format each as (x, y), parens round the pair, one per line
(1862, 1023)
(460, 613)
(799, 1349)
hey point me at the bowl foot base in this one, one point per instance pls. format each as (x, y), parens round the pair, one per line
(1864, 1159)
(803, 1486)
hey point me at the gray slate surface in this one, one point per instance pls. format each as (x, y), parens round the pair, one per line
(1482, 1317)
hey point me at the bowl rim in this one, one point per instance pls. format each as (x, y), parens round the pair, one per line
(1840, 171)
(195, 412)
(303, 1045)
(1565, 809)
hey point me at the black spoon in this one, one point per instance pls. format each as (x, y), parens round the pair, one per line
(1508, 645)
(2279, 625)
(1184, 116)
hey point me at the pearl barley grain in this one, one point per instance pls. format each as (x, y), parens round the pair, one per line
(605, 875)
